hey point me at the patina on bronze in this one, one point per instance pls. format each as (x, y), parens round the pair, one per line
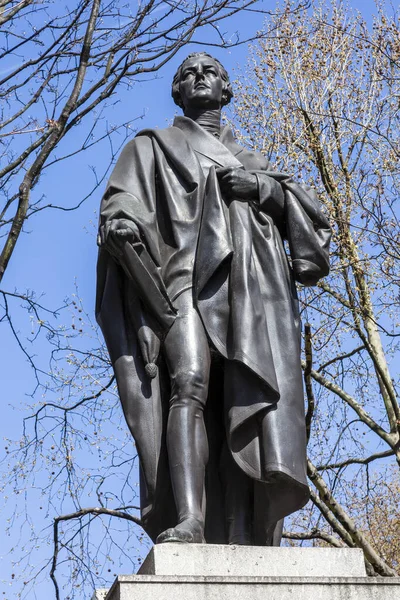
(197, 302)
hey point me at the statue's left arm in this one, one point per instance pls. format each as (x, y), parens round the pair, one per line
(294, 210)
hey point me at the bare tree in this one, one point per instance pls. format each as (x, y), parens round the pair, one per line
(321, 100)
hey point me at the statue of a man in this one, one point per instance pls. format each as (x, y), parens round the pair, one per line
(197, 302)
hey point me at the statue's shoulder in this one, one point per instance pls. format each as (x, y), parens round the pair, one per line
(137, 144)
(165, 134)
(142, 143)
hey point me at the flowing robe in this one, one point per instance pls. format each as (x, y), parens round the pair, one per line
(231, 253)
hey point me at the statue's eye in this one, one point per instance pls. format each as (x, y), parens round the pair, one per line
(186, 74)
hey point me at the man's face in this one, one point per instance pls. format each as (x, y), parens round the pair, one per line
(201, 84)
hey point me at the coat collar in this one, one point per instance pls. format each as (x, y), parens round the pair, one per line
(221, 151)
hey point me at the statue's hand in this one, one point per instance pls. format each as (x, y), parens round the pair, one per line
(236, 183)
(117, 231)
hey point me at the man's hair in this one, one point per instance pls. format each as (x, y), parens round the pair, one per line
(227, 93)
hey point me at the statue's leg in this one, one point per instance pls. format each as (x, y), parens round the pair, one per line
(188, 359)
(277, 535)
(238, 490)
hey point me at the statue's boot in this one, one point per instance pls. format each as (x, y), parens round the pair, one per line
(190, 531)
(187, 454)
(238, 519)
(238, 501)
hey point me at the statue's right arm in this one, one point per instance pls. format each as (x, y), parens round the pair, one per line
(126, 194)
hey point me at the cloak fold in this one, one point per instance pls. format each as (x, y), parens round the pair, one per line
(231, 252)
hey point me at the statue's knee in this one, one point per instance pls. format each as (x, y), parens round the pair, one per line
(188, 386)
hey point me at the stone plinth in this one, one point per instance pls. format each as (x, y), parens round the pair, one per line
(252, 561)
(211, 572)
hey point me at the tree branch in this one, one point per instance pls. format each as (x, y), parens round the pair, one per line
(96, 511)
(348, 524)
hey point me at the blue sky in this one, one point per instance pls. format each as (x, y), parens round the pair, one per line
(59, 248)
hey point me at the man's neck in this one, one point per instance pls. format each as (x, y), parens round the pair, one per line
(209, 119)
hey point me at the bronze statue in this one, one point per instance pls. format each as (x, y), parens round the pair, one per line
(197, 302)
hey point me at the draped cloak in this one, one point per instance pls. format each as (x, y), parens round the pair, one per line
(232, 254)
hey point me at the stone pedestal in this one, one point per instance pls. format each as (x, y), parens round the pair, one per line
(212, 572)
(252, 561)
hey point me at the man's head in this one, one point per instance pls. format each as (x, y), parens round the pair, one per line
(201, 82)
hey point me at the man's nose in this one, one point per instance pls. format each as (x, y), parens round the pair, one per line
(200, 73)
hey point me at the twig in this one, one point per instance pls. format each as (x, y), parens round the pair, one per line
(96, 511)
